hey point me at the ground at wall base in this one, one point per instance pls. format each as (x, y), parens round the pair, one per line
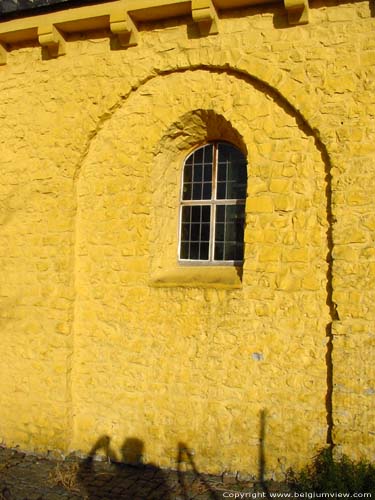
(35, 477)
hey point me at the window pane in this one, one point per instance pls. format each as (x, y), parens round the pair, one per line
(220, 213)
(221, 189)
(188, 171)
(219, 251)
(233, 251)
(197, 183)
(195, 232)
(207, 188)
(197, 191)
(194, 251)
(198, 155)
(186, 214)
(203, 251)
(185, 232)
(186, 194)
(196, 214)
(208, 153)
(206, 213)
(231, 173)
(207, 173)
(205, 232)
(184, 252)
(198, 172)
(229, 230)
(236, 190)
(220, 231)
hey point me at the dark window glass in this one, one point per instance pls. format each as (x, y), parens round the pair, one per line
(188, 171)
(220, 231)
(204, 247)
(207, 173)
(207, 189)
(195, 232)
(184, 252)
(187, 191)
(197, 191)
(198, 155)
(198, 174)
(186, 214)
(229, 231)
(205, 233)
(231, 173)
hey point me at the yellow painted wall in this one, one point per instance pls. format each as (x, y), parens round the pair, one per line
(102, 332)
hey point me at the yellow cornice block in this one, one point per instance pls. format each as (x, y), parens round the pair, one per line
(122, 25)
(205, 15)
(298, 11)
(50, 38)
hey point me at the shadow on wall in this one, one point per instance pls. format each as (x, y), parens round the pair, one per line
(134, 480)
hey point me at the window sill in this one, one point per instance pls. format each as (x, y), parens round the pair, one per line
(226, 277)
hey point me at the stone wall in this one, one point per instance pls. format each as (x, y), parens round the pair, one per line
(102, 332)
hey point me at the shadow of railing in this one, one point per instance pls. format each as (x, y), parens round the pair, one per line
(262, 454)
(185, 456)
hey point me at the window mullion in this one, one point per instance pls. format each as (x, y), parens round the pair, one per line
(213, 202)
(190, 217)
(192, 203)
(212, 232)
(180, 232)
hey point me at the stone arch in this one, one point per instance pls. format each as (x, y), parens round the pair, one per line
(268, 78)
(199, 125)
(147, 341)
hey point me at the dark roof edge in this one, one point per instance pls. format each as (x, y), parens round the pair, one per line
(11, 9)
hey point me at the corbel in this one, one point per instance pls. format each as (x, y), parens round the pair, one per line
(51, 39)
(205, 15)
(3, 54)
(123, 26)
(298, 11)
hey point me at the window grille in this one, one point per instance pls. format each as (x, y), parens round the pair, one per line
(212, 211)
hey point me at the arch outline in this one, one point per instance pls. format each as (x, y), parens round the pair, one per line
(300, 109)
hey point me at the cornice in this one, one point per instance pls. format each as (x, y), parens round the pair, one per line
(121, 17)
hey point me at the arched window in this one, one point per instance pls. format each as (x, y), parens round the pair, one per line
(212, 212)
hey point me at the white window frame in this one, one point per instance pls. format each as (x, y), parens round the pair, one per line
(213, 203)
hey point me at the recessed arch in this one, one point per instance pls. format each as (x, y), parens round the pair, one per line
(199, 126)
(117, 207)
(268, 80)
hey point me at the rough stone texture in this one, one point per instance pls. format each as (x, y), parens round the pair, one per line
(92, 145)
